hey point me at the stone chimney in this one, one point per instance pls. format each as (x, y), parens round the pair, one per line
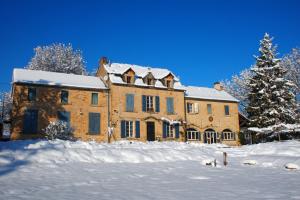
(103, 61)
(218, 86)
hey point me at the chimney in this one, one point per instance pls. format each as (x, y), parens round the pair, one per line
(103, 61)
(218, 86)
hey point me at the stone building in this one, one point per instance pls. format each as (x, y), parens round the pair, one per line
(123, 101)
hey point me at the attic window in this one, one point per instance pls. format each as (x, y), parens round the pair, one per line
(149, 81)
(168, 83)
(128, 79)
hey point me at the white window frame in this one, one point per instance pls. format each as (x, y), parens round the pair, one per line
(228, 135)
(192, 135)
(149, 103)
(170, 131)
(129, 129)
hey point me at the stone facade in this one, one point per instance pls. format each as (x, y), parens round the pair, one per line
(131, 110)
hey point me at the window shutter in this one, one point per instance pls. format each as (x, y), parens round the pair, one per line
(157, 106)
(234, 136)
(199, 136)
(222, 136)
(64, 116)
(170, 105)
(30, 122)
(137, 129)
(164, 129)
(94, 123)
(123, 129)
(144, 103)
(177, 130)
(129, 102)
(196, 107)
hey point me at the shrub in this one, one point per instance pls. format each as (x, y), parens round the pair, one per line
(58, 130)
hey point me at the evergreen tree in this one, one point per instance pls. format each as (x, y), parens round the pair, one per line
(271, 98)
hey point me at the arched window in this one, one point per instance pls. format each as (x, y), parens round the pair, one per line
(227, 134)
(193, 134)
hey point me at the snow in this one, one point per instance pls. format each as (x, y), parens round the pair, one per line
(37, 169)
(140, 71)
(57, 79)
(208, 93)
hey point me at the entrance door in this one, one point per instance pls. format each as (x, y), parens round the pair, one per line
(150, 131)
(210, 137)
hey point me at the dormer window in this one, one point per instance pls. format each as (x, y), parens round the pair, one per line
(149, 81)
(128, 79)
(168, 83)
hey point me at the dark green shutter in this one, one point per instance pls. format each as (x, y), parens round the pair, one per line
(176, 130)
(157, 106)
(94, 123)
(123, 129)
(164, 129)
(137, 129)
(144, 103)
(30, 122)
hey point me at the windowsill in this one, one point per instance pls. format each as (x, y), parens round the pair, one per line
(229, 140)
(193, 113)
(94, 134)
(227, 115)
(171, 113)
(94, 105)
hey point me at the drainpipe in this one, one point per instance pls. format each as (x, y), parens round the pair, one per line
(184, 108)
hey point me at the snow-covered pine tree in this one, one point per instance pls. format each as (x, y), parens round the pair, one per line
(58, 58)
(271, 98)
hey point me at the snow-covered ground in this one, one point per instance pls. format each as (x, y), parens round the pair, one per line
(40, 170)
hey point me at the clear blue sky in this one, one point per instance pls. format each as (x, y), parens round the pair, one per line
(201, 41)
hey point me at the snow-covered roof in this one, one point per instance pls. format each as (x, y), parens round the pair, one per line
(208, 93)
(59, 79)
(140, 71)
(116, 70)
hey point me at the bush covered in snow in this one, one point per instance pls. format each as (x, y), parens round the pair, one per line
(58, 130)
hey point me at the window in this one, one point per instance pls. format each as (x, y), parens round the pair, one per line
(226, 107)
(64, 96)
(192, 134)
(94, 123)
(209, 110)
(228, 135)
(129, 102)
(128, 79)
(129, 129)
(189, 107)
(170, 105)
(149, 81)
(31, 94)
(94, 98)
(168, 83)
(170, 131)
(149, 104)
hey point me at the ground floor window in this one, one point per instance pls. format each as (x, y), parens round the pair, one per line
(170, 131)
(192, 134)
(129, 128)
(228, 135)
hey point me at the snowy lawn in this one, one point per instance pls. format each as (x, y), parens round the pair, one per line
(82, 170)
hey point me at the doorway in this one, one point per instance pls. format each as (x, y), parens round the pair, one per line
(210, 136)
(150, 131)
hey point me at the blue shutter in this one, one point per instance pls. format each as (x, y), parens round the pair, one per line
(170, 105)
(64, 116)
(176, 130)
(137, 129)
(129, 102)
(30, 122)
(31, 94)
(123, 129)
(94, 123)
(64, 96)
(144, 103)
(164, 127)
(157, 106)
